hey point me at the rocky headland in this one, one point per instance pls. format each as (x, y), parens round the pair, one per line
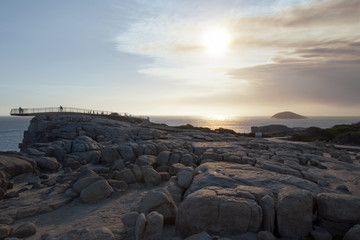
(87, 177)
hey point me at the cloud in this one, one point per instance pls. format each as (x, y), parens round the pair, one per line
(332, 82)
(302, 55)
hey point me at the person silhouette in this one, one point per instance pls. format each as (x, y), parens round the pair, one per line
(61, 108)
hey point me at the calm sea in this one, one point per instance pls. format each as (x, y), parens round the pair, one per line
(12, 128)
(12, 132)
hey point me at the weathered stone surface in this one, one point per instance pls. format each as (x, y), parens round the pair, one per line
(6, 220)
(265, 235)
(187, 159)
(230, 175)
(129, 221)
(339, 212)
(15, 164)
(24, 230)
(175, 190)
(165, 176)
(127, 152)
(124, 175)
(174, 158)
(82, 183)
(200, 236)
(96, 192)
(145, 160)
(212, 156)
(163, 158)
(353, 233)
(185, 176)
(339, 207)
(72, 161)
(154, 226)
(119, 186)
(118, 165)
(136, 171)
(84, 144)
(320, 234)
(206, 210)
(248, 171)
(89, 234)
(47, 163)
(268, 207)
(159, 200)
(140, 226)
(5, 231)
(151, 176)
(294, 214)
(92, 156)
(110, 154)
(175, 168)
(345, 158)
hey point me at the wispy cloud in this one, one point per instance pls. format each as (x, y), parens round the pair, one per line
(306, 54)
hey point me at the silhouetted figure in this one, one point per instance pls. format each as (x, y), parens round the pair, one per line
(21, 110)
(61, 108)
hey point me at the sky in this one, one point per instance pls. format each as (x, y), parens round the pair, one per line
(182, 57)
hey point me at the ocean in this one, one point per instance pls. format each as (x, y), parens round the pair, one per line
(12, 128)
(12, 132)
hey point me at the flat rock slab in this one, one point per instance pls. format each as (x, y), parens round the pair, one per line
(230, 175)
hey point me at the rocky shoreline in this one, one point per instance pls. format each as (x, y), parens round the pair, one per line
(86, 177)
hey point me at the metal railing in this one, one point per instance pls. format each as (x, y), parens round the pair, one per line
(36, 111)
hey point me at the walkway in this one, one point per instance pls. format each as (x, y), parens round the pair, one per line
(66, 110)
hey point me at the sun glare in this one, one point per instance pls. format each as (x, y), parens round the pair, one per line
(216, 41)
(218, 117)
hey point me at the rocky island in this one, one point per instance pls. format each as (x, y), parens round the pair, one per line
(88, 177)
(288, 115)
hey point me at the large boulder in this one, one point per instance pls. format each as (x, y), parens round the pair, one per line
(124, 175)
(110, 154)
(92, 156)
(338, 212)
(24, 230)
(209, 210)
(13, 164)
(159, 200)
(127, 152)
(353, 233)
(154, 226)
(96, 192)
(294, 214)
(163, 158)
(129, 221)
(151, 176)
(84, 144)
(72, 161)
(140, 226)
(84, 182)
(47, 163)
(185, 176)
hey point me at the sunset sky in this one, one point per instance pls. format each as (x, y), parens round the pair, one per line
(184, 57)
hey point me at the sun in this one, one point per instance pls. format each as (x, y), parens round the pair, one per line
(216, 41)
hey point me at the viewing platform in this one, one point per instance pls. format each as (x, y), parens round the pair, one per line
(67, 110)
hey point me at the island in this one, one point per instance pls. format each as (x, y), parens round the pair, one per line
(288, 115)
